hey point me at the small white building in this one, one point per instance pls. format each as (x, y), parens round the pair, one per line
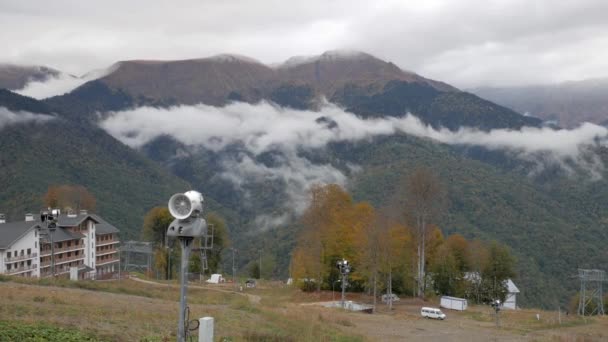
(512, 290)
(453, 303)
(511, 299)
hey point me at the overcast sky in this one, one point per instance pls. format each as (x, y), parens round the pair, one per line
(465, 43)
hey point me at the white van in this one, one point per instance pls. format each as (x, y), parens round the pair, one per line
(432, 313)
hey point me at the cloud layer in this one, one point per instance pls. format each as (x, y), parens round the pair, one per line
(467, 43)
(58, 85)
(8, 117)
(265, 127)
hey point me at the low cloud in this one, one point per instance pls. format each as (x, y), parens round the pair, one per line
(8, 117)
(265, 127)
(57, 85)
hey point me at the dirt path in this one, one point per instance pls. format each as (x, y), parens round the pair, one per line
(255, 299)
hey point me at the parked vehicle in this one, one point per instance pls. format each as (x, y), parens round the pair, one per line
(432, 313)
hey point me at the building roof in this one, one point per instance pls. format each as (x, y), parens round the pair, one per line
(10, 232)
(61, 234)
(74, 220)
(511, 287)
(103, 227)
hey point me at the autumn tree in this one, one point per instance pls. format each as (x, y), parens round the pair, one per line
(331, 229)
(395, 253)
(477, 257)
(75, 197)
(425, 199)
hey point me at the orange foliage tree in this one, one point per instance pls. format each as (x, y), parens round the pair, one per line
(74, 197)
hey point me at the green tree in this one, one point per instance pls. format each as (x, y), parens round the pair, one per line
(499, 267)
(254, 270)
(446, 274)
(155, 225)
(221, 241)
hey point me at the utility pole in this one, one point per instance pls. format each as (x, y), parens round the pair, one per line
(260, 264)
(234, 269)
(344, 268)
(50, 218)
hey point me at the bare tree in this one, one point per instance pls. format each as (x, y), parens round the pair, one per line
(425, 200)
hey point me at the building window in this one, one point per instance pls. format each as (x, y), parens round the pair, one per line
(8, 255)
(35, 233)
(29, 251)
(35, 244)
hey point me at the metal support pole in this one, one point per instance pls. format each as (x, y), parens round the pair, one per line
(186, 243)
(234, 270)
(343, 288)
(119, 261)
(52, 253)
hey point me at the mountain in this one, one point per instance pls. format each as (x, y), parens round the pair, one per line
(62, 151)
(553, 222)
(358, 81)
(567, 104)
(17, 76)
(208, 80)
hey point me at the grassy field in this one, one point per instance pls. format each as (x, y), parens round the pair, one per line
(133, 310)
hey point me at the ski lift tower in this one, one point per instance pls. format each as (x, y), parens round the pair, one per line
(591, 291)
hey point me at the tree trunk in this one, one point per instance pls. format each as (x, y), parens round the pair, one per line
(422, 261)
(375, 294)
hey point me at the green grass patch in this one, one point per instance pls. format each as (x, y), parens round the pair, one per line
(22, 332)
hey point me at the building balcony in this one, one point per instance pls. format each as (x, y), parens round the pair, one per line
(61, 250)
(100, 243)
(21, 257)
(22, 269)
(105, 262)
(106, 252)
(59, 261)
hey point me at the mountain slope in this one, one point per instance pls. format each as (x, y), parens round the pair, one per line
(208, 80)
(360, 82)
(61, 151)
(17, 76)
(568, 104)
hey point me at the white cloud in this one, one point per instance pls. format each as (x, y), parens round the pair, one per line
(57, 85)
(8, 117)
(265, 127)
(467, 42)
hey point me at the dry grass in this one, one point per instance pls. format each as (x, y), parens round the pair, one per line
(132, 311)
